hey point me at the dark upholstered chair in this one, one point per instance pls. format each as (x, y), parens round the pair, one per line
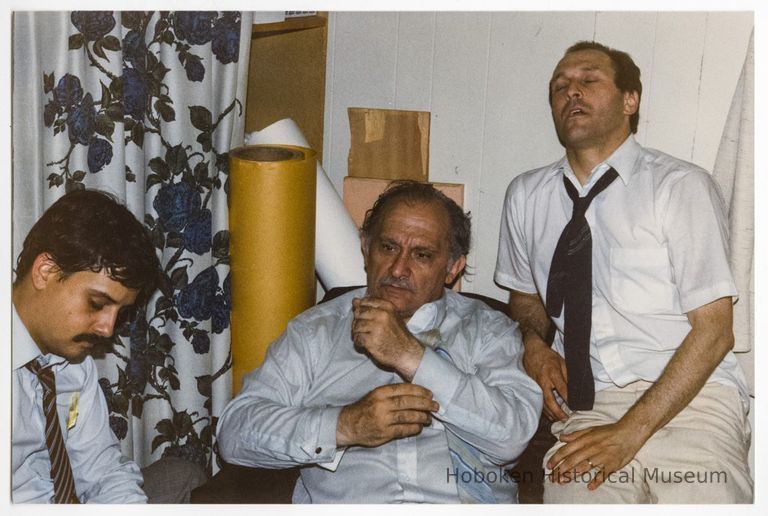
(244, 485)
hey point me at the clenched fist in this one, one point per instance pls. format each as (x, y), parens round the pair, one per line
(378, 330)
(386, 413)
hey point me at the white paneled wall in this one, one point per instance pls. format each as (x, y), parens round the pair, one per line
(484, 75)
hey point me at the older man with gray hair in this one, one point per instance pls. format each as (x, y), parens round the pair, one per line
(403, 391)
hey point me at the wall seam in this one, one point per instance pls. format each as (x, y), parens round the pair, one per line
(395, 72)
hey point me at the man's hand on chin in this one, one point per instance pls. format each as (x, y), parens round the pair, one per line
(379, 330)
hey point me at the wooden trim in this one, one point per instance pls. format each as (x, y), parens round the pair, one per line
(290, 25)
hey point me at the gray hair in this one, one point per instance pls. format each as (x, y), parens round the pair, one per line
(413, 192)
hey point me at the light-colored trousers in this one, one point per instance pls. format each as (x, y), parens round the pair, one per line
(700, 456)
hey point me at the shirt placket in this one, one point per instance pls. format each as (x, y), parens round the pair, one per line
(407, 464)
(602, 326)
(407, 470)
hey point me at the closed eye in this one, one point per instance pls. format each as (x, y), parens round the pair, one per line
(558, 87)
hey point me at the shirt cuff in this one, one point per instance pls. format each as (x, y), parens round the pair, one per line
(438, 375)
(511, 282)
(326, 453)
(693, 300)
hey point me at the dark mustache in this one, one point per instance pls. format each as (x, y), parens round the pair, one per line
(391, 281)
(96, 340)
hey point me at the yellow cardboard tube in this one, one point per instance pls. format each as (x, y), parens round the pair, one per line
(272, 246)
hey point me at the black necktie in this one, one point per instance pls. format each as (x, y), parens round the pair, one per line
(61, 471)
(570, 286)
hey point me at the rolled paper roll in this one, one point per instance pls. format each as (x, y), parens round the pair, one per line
(272, 236)
(338, 260)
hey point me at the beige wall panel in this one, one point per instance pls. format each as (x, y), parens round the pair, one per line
(415, 61)
(720, 71)
(674, 83)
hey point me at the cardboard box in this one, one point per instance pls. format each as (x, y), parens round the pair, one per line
(388, 144)
(361, 192)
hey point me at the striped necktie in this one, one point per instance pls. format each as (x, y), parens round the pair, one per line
(61, 471)
(569, 287)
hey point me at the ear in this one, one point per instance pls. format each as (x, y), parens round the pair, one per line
(455, 269)
(44, 270)
(631, 102)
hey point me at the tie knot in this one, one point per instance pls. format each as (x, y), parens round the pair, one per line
(34, 366)
(44, 374)
(580, 204)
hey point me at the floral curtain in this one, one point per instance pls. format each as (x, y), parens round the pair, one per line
(144, 105)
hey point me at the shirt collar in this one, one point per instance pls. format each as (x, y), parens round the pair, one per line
(428, 317)
(24, 348)
(622, 160)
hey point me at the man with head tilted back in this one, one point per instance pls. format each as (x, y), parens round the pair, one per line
(623, 252)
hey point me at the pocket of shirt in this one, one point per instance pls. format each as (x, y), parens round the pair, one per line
(641, 280)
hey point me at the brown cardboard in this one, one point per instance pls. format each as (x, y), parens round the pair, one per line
(286, 77)
(361, 192)
(388, 144)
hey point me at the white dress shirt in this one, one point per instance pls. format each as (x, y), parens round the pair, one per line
(660, 250)
(101, 474)
(287, 411)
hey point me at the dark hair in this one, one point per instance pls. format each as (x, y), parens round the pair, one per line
(91, 230)
(413, 192)
(626, 74)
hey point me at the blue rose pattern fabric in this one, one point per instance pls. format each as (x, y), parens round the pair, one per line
(99, 154)
(175, 203)
(135, 95)
(94, 25)
(193, 303)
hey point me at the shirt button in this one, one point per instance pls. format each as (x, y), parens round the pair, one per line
(318, 450)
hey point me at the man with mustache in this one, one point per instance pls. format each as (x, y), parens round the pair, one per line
(85, 264)
(623, 252)
(403, 391)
